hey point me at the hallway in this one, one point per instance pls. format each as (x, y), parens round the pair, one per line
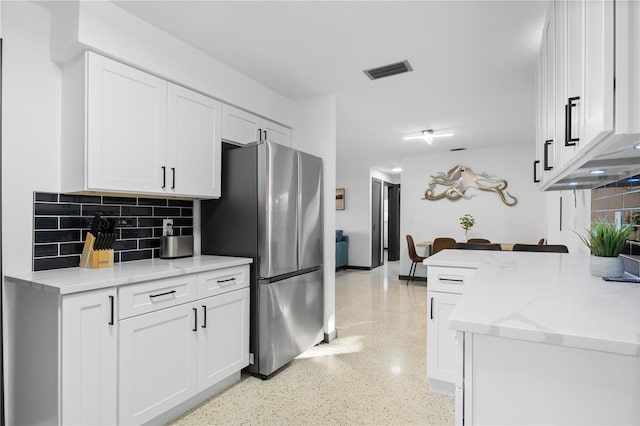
(373, 373)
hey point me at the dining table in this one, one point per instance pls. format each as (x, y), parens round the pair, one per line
(429, 244)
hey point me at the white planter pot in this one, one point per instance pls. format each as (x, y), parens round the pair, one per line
(606, 266)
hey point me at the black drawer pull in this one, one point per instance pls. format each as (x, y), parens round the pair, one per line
(111, 301)
(226, 281)
(195, 319)
(535, 171)
(162, 294)
(431, 313)
(547, 144)
(569, 140)
(204, 313)
(164, 177)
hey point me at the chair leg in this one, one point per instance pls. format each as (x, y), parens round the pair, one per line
(412, 268)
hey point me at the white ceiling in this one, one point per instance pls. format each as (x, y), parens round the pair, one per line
(473, 64)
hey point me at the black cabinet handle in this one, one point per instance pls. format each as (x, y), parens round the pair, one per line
(162, 294)
(535, 171)
(431, 314)
(546, 154)
(569, 140)
(259, 135)
(204, 313)
(164, 177)
(111, 302)
(265, 135)
(173, 183)
(195, 319)
(226, 281)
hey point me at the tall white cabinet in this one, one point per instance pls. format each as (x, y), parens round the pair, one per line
(125, 130)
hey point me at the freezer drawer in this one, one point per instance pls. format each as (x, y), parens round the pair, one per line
(290, 319)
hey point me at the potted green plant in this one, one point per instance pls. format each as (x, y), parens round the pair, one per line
(466, 222)
(606, 240)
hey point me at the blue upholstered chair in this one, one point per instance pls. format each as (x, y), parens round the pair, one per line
(342, 249)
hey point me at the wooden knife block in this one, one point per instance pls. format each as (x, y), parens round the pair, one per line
(95, 259)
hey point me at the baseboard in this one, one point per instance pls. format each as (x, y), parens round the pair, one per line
(361, 268)
(418, 279)
(329, 337)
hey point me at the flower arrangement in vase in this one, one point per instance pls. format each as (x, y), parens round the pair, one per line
(606, 240)
(466, 222)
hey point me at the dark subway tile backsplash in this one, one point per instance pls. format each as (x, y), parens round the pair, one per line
(61, 222)
(621, 199)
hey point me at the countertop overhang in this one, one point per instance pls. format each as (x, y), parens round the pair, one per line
(76, 280)
(544, 297)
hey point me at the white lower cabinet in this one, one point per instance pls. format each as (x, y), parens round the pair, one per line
(157, 362)
(89, 355)
(441, 343)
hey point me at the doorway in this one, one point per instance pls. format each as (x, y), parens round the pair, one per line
(376, 223)
(392, 220)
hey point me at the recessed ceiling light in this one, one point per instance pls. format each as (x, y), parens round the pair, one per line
(637, 146)
(573, 183)
(396, 169)
(597, 172)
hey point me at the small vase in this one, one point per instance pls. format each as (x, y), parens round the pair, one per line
(466, 235)
(606, 266)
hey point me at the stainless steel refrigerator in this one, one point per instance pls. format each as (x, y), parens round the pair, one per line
(271, 210)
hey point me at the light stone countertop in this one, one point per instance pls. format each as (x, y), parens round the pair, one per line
(544, 297)
(75, 280)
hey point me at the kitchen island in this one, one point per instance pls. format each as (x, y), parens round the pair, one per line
(140, 342)
(537, 339)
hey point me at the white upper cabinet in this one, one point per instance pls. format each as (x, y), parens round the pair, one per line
(193, 143)
(125, 130)
(588, 76)
(126, 122)
(243, 127)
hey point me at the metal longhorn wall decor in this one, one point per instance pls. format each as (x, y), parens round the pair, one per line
(459, 179)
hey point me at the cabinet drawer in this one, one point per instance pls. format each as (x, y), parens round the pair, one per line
(153, 295)
(450, 280)
(222, 281)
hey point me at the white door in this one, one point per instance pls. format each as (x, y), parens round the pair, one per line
(598, 71)
(157, 362)
(193, 143)
(239, 126)
(126, 128)
(224, 336)
(89, 358)
(276, 133)
(441, 344)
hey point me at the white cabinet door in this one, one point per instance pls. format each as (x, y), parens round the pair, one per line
(547, 53)
(598, 48)
(126, 128)
(223, 337)
(157, 362)
(239, 126)
(193, 143)
(243, 127)
(441, 344)
(89, 358)
(276, 133)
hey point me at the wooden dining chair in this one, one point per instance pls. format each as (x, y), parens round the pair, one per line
(541, 241)
(478, 241)
(442, 243)
(546, 248)
(415, 258)
(482, 246)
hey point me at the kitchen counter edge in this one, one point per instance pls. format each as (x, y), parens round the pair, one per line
(76, 280)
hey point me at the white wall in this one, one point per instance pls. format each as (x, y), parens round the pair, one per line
(576, 218)
(315, 133)
(105, 28)
(426, 220)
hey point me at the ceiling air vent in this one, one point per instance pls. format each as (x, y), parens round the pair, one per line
(388, 70)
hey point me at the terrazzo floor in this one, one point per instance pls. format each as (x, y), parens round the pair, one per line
(373, 373)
